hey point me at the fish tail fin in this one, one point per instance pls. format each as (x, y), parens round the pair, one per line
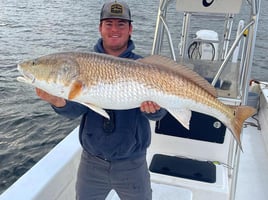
(241, 114)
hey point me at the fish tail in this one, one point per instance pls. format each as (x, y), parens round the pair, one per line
(241, 113)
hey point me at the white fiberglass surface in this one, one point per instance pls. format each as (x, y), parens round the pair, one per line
(253, 168)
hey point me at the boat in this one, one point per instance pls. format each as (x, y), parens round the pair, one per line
(205, 162)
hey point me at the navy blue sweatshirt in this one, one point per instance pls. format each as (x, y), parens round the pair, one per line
(127, 135)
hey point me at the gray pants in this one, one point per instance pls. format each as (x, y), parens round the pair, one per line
(129, 178)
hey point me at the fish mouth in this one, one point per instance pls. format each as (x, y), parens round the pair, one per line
(26, 77)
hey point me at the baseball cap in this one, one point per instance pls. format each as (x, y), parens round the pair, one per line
(115, 10)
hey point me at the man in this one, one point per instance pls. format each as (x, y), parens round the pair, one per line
(114, 151)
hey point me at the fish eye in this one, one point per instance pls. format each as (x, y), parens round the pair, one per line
(66, 68)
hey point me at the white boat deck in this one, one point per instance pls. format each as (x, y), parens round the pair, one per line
(252, 175)
(253, 169)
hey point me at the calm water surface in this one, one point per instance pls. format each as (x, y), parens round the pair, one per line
(31, 28)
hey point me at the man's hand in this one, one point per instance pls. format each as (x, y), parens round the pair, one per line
(149, 107)
(56, 101)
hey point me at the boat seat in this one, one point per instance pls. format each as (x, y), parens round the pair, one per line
(217, 190)
(186, 158)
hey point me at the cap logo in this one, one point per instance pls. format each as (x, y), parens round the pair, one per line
(116, 9)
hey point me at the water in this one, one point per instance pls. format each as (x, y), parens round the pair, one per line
(30, 28)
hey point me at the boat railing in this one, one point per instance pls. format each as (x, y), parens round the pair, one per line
(226, 53)
(228, 71)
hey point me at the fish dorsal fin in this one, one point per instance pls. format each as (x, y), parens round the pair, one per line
(162, 61)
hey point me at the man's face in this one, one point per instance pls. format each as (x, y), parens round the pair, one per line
(115, 34)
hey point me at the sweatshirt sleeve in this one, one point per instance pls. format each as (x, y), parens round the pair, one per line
(71, 110)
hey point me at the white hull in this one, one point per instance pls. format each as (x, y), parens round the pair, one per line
(263, 115)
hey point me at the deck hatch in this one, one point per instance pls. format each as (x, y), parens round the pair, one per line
(204, 171)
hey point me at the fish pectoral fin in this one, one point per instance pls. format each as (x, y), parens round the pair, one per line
(182, 115)
(76, 89)
(24, 80)
(97, 109)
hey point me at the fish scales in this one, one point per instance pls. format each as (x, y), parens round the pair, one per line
(107, 72)
(101, 81)
(150, 76)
